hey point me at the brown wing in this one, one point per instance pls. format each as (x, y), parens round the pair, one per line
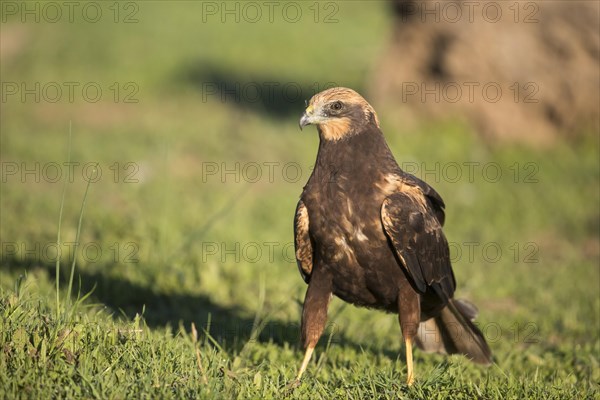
(435, 200)
(416, 235)
(302, 243)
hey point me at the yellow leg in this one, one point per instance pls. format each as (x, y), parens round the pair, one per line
(307, 356)
(409, 363)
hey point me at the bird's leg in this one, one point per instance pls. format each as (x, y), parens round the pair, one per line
(307, 357)
(314, 315)
(409, 313)
(410, 375)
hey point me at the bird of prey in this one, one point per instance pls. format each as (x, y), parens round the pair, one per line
(371, 234)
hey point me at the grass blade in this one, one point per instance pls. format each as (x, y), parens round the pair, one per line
(87, 188)
(60, 214)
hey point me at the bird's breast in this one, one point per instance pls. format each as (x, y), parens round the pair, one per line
(350, 241)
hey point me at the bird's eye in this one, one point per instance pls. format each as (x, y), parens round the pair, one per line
(336, 106)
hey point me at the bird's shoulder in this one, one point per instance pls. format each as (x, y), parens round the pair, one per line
(416, 192)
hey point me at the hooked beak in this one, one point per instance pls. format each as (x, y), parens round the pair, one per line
(308, 117)
(304, 120)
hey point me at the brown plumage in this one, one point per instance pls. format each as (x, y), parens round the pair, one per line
(371, 234)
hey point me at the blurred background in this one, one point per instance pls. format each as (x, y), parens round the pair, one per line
(184, 115)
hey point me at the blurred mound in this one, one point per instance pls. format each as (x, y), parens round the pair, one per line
(525, 71)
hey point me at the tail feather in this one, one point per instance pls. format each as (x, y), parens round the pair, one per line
(453, 332)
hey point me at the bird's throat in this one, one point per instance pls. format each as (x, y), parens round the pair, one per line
(336, 129)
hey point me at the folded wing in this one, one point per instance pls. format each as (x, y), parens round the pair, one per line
(415, 232)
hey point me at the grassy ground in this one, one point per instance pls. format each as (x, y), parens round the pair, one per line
(185, 274)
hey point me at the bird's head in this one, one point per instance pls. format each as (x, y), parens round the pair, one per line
(338, 113)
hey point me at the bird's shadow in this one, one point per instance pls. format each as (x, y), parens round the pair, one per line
(230, 327)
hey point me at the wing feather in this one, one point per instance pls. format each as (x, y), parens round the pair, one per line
(435, 200)
(302, 242)
(416, 234)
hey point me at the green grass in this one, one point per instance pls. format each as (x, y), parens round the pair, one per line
(168, 234)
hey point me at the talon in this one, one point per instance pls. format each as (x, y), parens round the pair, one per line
(293, 385)
(410, 379)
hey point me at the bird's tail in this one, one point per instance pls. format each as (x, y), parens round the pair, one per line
(453, 331)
